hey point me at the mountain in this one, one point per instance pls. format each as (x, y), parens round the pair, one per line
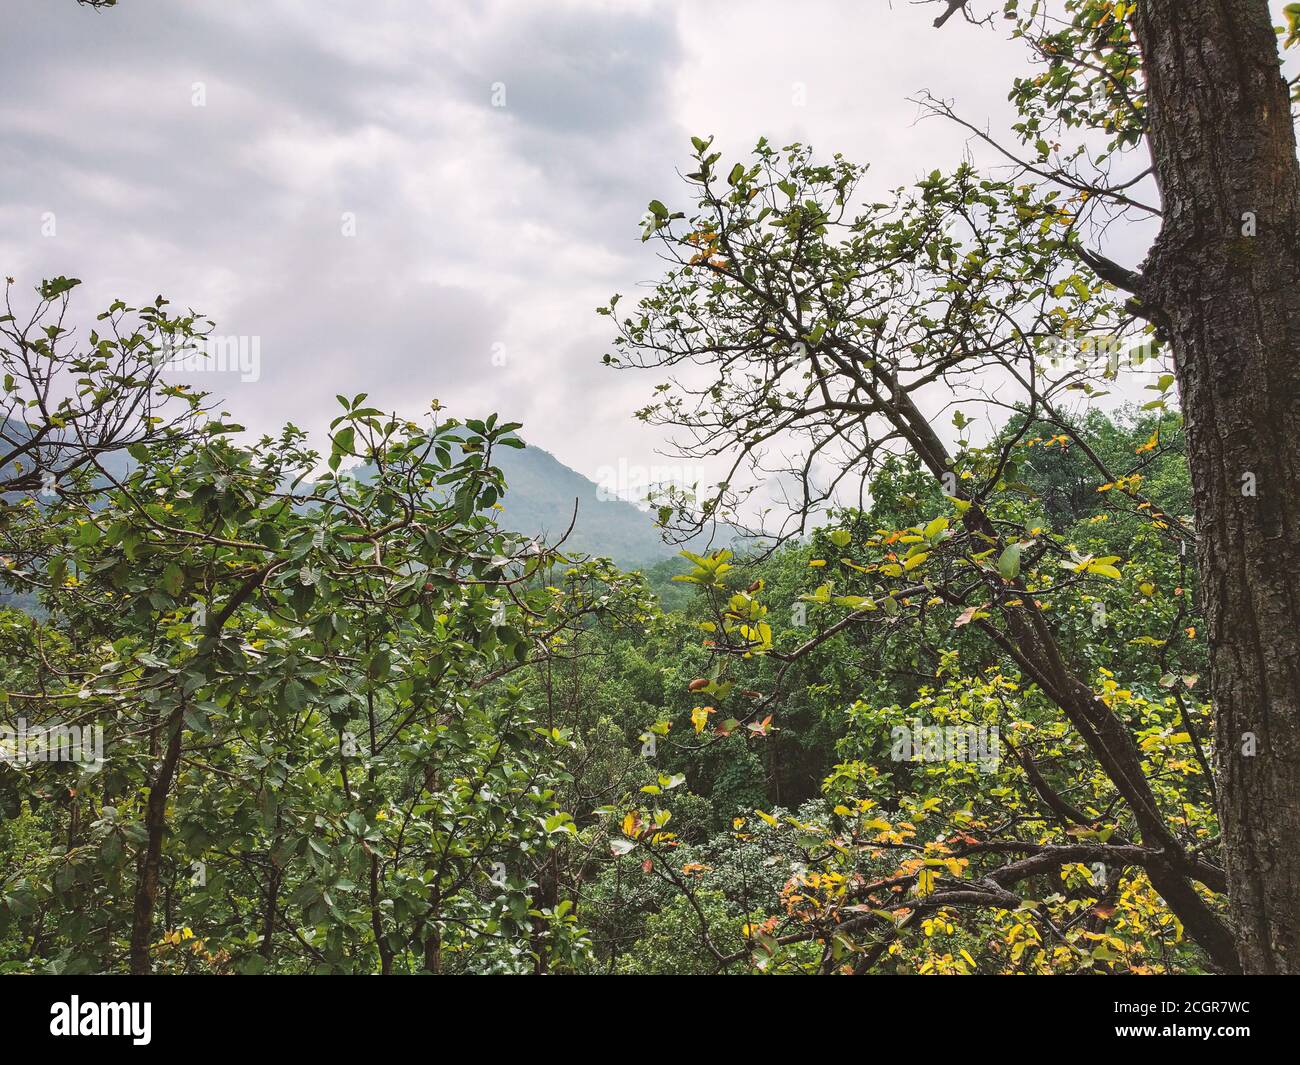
(539, 501)
(540, 493)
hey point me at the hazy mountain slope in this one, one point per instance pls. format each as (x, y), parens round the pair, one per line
(540, 494)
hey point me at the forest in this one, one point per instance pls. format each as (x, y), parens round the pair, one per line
(1008, 685)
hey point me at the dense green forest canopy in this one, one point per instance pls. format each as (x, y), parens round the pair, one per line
(351, 725)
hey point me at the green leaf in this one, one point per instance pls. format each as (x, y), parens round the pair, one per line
(380, 664)
(173, 579)
(936, 528)
(196, 720)
(1009, 562)
(57, 286)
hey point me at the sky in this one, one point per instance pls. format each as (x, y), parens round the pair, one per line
(427, 200)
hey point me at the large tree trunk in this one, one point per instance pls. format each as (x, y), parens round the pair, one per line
(1224, 150)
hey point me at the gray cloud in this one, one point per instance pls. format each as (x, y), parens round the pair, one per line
(478, 230)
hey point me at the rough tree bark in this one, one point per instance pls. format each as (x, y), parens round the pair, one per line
(1223, 282)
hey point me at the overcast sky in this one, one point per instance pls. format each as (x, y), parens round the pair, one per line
(480, 230)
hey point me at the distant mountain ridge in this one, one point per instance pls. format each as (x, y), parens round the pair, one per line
(540, 493)
(539, 502)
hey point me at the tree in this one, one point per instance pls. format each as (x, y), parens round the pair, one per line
(906, 859)
(1199, 85)
(65, 408)
(1224, 281)
(317, 753)
(827, 331)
